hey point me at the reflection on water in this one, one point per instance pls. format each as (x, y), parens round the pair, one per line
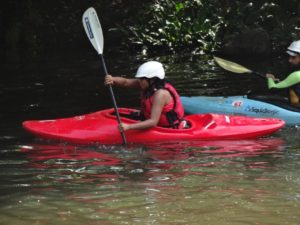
(215, 182)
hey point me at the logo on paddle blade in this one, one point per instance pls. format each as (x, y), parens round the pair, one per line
(88, 25)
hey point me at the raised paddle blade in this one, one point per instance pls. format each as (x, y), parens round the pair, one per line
(93, 29)
(231, 66)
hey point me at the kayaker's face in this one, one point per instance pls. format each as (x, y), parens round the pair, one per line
(144, 84)
(294, 60)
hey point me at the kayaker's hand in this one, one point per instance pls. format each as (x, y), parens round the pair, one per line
(108, 80)
(123, 127)
(269, 75)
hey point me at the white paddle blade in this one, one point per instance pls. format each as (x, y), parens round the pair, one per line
(93, 29)
(231, 66)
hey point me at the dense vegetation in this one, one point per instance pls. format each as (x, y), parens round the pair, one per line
(205, 24)
(171, 25)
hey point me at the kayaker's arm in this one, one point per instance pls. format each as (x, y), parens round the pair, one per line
(121, 81)
(291, 80)
(161, 98)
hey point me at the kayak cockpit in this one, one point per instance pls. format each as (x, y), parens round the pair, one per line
(133, 115)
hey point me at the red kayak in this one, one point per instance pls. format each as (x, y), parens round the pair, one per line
(101, 127)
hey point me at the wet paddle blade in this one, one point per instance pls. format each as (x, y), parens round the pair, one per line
(93, 29)
(231, 66)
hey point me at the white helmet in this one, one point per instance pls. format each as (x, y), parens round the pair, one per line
(294, 48)
(151, 69)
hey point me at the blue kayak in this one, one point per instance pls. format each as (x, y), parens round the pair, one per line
(259, 106)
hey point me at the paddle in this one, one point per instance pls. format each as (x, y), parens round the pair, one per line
(235, 68)
(93, 30)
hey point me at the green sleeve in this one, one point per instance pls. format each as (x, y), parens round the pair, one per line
(291, 80)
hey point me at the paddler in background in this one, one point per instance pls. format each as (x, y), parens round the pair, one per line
(160, 102)
(292, 81)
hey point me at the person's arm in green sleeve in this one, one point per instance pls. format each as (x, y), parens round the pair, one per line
(291, 80)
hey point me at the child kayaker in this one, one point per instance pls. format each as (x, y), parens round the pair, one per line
(160, 101)
(292, 81)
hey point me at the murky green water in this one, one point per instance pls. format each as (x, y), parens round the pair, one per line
(215, 182)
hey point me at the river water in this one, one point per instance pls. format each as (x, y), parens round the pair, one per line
(209, 182)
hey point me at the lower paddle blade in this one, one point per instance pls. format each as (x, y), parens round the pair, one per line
(231, 66)
(93, 29)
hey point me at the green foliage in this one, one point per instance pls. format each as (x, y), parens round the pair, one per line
(197, 26)
(200, 25)
(175, 25)
(278, 17)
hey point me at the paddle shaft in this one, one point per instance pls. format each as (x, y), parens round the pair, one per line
(259, 74)
(113, 99)
(94, 32)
